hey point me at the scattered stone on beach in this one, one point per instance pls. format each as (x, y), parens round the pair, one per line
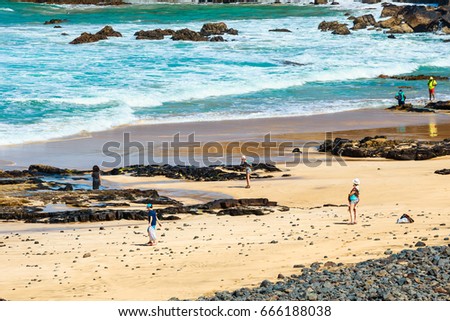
(445, 171)
(413, 275)
(380, 146)
(86, 255)
(420, 244)
(103, 34)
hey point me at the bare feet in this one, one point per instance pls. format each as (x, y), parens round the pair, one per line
(248, 186)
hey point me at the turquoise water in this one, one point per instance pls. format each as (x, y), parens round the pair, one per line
(51, 89)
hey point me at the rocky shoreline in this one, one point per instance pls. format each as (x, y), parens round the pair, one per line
(401, 19)
(410, 275)
(380, 146)
(27, 195)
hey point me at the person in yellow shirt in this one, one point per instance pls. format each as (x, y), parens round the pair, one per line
(431, 85)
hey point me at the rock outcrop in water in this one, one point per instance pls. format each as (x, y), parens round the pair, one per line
(103, 34)
(209, 32)
(156, 34)
(380, 146)
(410, 275)
(412, 18)
(401, 19)
(410, 108)
(336, 27)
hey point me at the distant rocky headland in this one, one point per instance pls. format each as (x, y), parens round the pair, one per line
(401, 19)
(94, 2)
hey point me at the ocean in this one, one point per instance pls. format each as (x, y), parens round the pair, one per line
(51, 89)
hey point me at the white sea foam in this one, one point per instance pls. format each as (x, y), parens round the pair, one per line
(122, 80)
(7, 9)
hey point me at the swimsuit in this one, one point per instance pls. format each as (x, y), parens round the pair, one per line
(353, 199)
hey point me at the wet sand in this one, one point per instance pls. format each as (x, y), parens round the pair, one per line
(83, 151)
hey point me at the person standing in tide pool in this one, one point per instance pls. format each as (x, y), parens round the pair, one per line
(152, 220)
(432, 83)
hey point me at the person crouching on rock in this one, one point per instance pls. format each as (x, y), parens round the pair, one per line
(400, 98)
(151, 229)
(248, 169)
(353, 200)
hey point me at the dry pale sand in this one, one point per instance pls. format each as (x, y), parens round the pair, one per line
(199, 255)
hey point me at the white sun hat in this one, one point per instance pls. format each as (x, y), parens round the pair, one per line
(356, 181)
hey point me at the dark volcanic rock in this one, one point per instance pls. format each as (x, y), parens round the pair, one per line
(45, 169)
(217, 39)
(390, 10)
(444, 171)
(212, 173)
(420, 18)
(219, 28)
(233, 207)
(410, 108)
(55, 21)
(280, 30)
(334, 26)
(103, 34)
(414, 77)
(382, 147)
(410, 275)
(157, 34)
(363, 22)
(86, 37)
(188, 35)
(440, 105)
(108, 31)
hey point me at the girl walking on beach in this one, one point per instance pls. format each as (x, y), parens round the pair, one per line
(353, 200)
(248, 169)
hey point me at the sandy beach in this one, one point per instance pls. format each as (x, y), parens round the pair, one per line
(201, 254)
